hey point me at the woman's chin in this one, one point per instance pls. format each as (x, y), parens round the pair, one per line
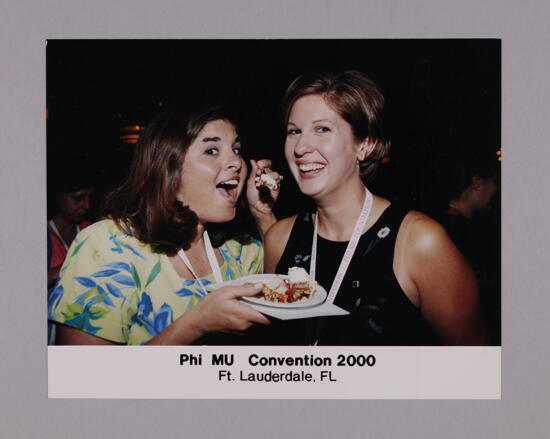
(310, 190)
(220, 217)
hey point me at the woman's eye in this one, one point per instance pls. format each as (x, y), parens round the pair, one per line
(237, 151)
(322, 129)
(292, 131)
(211, 151)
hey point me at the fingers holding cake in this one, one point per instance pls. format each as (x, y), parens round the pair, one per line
(261, 199)
(264, 176)
(246, 290)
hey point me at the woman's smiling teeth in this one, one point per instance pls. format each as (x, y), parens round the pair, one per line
(310, 167)
(229, 183)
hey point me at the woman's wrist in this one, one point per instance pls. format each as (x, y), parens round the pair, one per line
(188, 326)
(192, 328)
(264, 220)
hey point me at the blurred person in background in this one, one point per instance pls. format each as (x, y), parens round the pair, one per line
(469, 184)
(69, 205)
(70, 195)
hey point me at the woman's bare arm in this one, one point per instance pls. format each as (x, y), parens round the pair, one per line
(445, 283)
(275, 242)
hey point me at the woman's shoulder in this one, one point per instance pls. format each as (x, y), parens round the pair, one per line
(107, 237)
(421, 223)
(106, 228)
(276, 240)
(103, 226)
(244, 254)
(281, 229)
(243, 243)
(422, 234)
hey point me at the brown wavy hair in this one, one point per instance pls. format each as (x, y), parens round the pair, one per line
(357, 99)
(145, 205)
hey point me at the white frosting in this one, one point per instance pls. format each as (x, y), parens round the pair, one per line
(276, 284)
(268, 181)
(297, 275)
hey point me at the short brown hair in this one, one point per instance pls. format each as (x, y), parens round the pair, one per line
(145, 205)
(357, 99)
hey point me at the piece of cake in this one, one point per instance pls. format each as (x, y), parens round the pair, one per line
(299, 280)
(298, 286)
(270, 180)
(275, 290)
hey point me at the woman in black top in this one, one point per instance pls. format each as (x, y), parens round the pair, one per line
(406, 283)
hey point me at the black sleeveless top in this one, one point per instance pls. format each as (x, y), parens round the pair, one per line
(380, 312)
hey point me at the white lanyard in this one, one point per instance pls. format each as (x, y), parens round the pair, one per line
(211, 258)
(359, 225)
(56, 232)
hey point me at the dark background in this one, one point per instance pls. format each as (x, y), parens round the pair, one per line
(443, 95)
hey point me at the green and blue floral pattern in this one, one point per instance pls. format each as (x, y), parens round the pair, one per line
(113, 286)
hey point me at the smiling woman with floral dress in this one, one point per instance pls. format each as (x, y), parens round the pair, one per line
(395, 271)
(141, 275)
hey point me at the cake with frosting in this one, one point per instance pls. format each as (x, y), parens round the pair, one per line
(299, 279)
(295, 287)
(270, 179)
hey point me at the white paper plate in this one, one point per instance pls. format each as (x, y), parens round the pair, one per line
(318, 298)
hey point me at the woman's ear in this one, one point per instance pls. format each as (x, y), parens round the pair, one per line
(477, 181)
(365, 149)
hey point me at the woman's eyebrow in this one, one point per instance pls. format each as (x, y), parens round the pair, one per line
(313, 121)
(211, 139)
(321, 120)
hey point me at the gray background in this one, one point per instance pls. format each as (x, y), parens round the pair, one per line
(25, 411)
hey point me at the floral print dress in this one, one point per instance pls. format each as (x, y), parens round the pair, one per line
(115, 287)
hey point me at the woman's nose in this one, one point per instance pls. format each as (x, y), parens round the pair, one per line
(302, 146)
(234, 162)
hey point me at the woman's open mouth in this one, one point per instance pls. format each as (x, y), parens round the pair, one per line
(229, 189)
(310, 170)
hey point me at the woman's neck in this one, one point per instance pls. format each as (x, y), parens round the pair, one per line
(63, 224)
(339, 212)
(197, 241)
(460, 207)
(65, 229)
